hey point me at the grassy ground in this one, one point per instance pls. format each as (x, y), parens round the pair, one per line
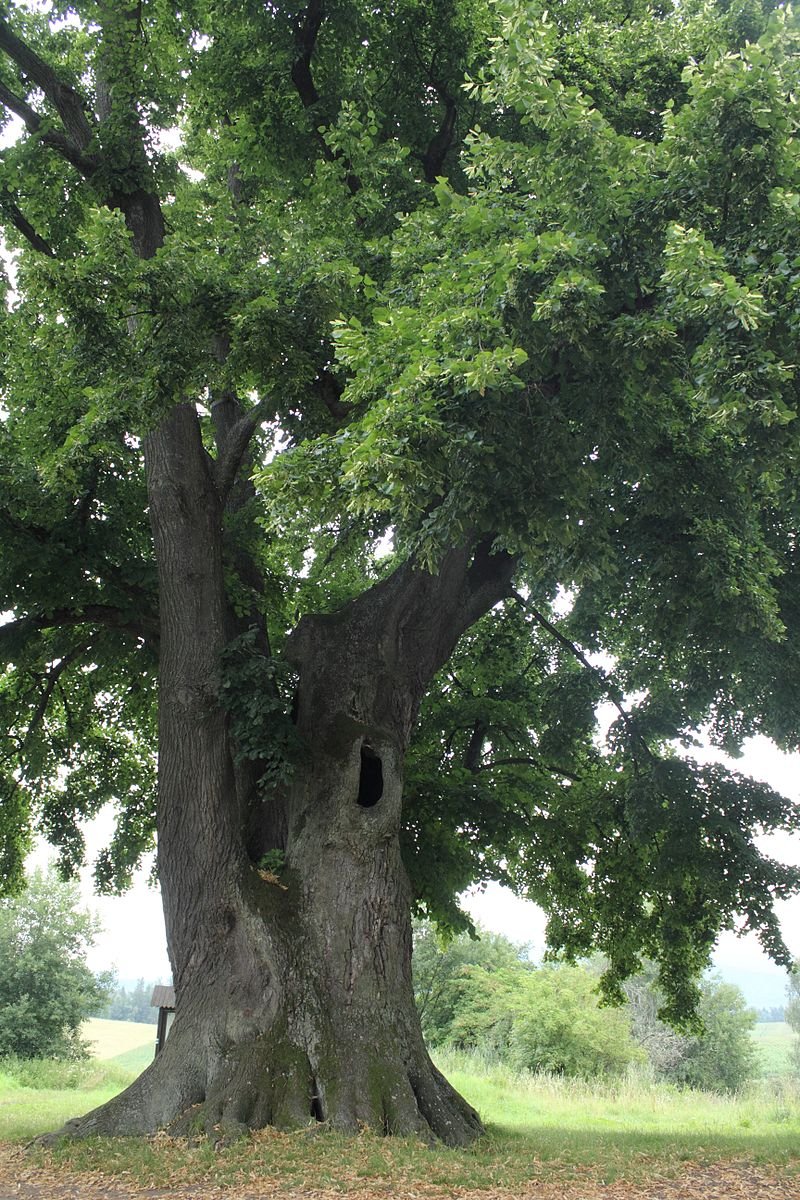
(540, 1129)
(35, 1097)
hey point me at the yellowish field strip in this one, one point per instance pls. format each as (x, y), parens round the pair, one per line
(110, 1038)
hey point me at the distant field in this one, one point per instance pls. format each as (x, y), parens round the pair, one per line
(773, 1041)
(110, 1039)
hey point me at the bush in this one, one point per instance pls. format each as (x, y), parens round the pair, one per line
(439, 970)
(544, 1019)
(719, 1057)
(560, 1027)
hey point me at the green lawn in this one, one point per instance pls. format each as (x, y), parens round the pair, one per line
(34, 1099)
(538, 1128)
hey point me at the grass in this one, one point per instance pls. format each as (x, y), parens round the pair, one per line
(539, 1128)
(134, 1061)
(774, 1041)
(38, 1096)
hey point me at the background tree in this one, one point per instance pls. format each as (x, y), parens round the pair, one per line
(46, 989)
(132, 1004)
(439, 970)
(793, 1012)
(483, 995)
(548, 1019)
(719, 1055)
(535, 336)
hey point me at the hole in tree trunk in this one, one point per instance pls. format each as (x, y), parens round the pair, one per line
(370, 782)
(316, 1104)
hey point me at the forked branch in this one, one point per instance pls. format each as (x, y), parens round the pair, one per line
(64, 99)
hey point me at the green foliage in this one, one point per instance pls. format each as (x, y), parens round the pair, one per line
(272, 862)
(723, 1057)
(480, 993)
(439, 969)
(548, 1019)
(46, 989)
(251, 693)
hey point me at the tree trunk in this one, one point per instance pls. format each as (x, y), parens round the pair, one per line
(294, 1000)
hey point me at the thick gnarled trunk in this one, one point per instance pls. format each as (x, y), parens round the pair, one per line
(294, 996)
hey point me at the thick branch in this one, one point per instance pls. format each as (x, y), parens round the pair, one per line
(64, 98)
(397, 634)
(524, 761)
(59, 142)
(306, 39)
(18, 220)
(329, 390)
(234, 446)
(145, 627)
(442, 140)
(51, 680)
(472, 756)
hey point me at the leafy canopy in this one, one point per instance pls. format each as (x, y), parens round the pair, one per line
(485, 272)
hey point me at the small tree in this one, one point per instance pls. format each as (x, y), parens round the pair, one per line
(543, 1019)
(46, 988)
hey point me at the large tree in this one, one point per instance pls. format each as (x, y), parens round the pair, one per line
(367, 372)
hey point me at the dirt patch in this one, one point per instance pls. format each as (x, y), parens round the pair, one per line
(737, 1180)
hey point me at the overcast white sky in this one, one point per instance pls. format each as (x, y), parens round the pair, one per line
(133, 941)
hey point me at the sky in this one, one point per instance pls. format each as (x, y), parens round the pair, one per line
(133, 942)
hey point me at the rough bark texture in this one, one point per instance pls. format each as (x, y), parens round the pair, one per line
(294, 997)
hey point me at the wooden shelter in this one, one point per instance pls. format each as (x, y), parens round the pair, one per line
(163, 998)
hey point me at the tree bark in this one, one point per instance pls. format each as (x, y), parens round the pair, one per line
(294, 1000)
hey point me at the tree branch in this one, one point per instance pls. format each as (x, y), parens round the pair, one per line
(35, 124)
(145, 627)
(523, 761)
(237, 439)
(472, 755)
(442, 140)
(64, 98)
(306, 40)
(405, 627)
(18, 220)
(610, 689)
(51, 680)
